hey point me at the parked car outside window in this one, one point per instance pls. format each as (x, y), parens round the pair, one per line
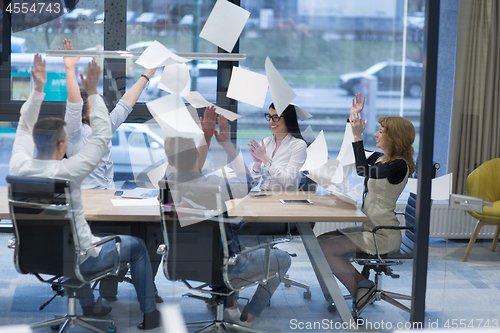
(388, 74)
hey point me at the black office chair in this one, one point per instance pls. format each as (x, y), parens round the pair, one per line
(47, 246)
(383, 263)
(198, 254)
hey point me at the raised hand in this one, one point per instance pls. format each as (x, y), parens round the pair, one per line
(258, 151)
(358, 125)
(207, 122)
(357, 106)
(69, 61)
(39, 73)
(224, 135)
(84, 82)
(93, 74)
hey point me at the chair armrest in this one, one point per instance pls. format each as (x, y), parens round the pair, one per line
(105, 240)
(391, 228)
(262, 246)
(267, 247)
(381, 227)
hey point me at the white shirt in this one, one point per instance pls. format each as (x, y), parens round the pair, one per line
(74, 169)
(79, 134)
(285, 164)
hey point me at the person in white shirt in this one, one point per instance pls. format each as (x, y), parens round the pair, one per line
(77, 114)
(50, 163)
(277, 161)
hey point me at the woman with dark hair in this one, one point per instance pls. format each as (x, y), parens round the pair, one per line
(385, 175)
(278, 159)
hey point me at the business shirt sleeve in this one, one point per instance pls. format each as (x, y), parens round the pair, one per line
(23, 147)
(73, 119)
(288, 175)
(84, 162)
(119, 114)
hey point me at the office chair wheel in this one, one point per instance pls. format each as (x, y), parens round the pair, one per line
(112, 329)
(332, 308)
(56, 288)
(307, 294)
(360, 321)
(54, 328)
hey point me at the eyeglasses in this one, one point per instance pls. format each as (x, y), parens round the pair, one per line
(275, 118)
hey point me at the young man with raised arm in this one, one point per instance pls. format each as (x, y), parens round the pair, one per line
(51, 141)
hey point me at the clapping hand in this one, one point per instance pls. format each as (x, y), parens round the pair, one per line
(258, 151)
(39, 74)
(357, 106)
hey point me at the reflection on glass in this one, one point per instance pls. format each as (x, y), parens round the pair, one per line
(80, 24)
(324, 52)
(176, 25)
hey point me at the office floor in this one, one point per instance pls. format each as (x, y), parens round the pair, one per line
(457, 294)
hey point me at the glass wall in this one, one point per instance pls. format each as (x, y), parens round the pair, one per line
(176, 25)
(82, 24)
(327, 52)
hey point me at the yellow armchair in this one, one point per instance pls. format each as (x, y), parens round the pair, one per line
(484, 183)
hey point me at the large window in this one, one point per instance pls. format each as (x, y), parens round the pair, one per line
(82, 24)
(326, 51)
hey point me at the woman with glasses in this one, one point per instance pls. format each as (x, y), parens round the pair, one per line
(277, 161)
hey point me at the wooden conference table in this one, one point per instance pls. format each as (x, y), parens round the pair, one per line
(103, 207)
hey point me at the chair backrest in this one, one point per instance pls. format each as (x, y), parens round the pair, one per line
(484, 181)
(195, 252)
(41, 214)
(408, 241)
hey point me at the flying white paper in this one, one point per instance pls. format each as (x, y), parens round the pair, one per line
(173, 117)
(323, 175)
(317, 153)
(176, 79)
(158, 173)
(157, 55)
(345, 157)
(342, 195)
(196, 100)
(308, 134)
(225, 24)
(301, 113)
(281, 92)
(440, 187)
(248, 87)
